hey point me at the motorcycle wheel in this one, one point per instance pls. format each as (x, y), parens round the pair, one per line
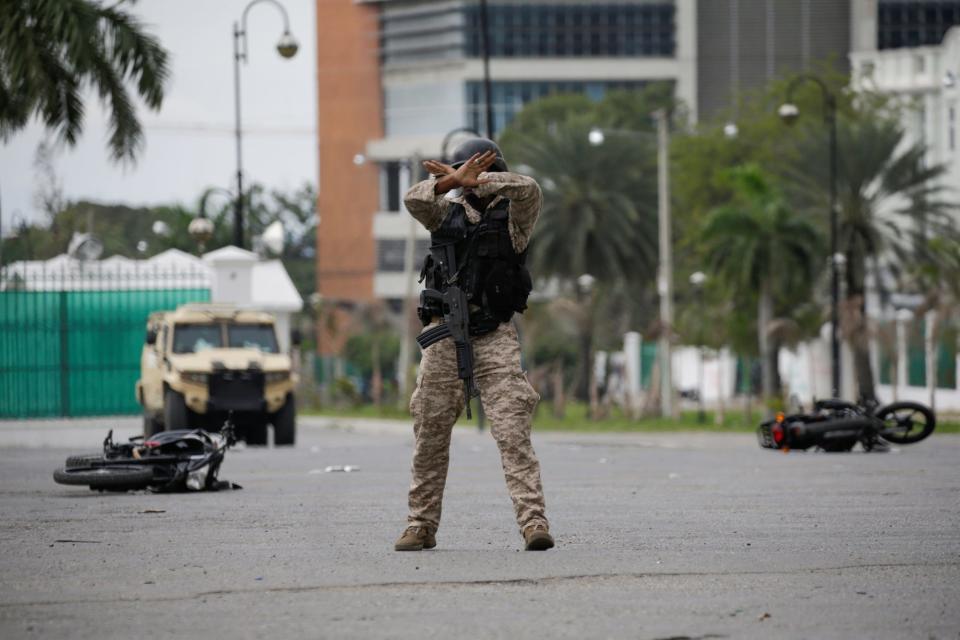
(906, 422)
(119, 478)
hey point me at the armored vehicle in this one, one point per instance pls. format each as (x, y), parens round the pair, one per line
(204, 361)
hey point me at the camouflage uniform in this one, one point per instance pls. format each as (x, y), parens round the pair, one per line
(507, 397)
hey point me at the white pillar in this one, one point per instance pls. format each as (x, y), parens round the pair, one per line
(631, 352)
(903, 317)
(930, 349)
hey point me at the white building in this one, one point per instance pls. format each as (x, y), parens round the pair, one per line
(927, 79)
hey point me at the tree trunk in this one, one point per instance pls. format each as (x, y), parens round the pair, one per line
(776, 381)
(859, 338)
(764, 317)
(559, 398)
(376, 378)
(586, 375)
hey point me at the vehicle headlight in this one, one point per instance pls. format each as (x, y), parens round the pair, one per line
(196, 377)
(277, 376)
(197, 479)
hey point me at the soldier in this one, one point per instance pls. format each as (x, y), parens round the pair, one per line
(489, 213)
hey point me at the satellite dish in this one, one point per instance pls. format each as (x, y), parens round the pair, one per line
(273, 237)
(84, 246)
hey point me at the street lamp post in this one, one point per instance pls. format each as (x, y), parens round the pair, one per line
(665, 271)
(789, 113)
(596, 137)
(485, 43)
(287, 48)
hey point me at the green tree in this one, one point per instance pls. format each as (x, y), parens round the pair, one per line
(599, 207)
(50, 51)
(599, 212)
(889, 202)
(756, 243)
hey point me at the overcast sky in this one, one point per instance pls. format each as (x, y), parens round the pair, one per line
(190, 142)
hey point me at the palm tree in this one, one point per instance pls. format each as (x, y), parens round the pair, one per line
(889, 203)
(757, 244)
(50, 51)
(599, 211)
(599, 206)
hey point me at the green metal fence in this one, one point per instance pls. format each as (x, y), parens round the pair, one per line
(71, 336)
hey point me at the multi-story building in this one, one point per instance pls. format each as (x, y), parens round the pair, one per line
(926, 77)
(396, 76)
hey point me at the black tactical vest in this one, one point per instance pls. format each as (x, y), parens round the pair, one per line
(486, 267)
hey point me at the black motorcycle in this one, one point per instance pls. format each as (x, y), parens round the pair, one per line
(838, 425)
(182, 460)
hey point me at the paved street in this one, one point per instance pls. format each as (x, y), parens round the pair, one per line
(659, 536)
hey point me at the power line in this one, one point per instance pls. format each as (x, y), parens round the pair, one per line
(224, 129)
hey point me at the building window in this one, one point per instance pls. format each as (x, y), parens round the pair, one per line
(390, 253)
(595, 29)
(509, 98)
(915, 23)
(390, 186)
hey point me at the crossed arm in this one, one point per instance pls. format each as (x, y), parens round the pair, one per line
(426, 201)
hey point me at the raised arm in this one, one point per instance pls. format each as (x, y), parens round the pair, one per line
(425, 204)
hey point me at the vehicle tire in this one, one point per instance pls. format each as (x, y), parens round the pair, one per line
(113, 477)
(151, 426)
(906, 422)
(285, 423)
(174, 411)
(85, 461)
(255, 432)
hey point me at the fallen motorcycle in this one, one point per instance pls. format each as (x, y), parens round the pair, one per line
(838, 425)
(182, 460)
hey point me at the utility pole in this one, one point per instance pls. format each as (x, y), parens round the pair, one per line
(665, 268)
(485, 44)
(409, 255)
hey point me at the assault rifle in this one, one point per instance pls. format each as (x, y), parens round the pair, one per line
(456, 315)
(456, 325)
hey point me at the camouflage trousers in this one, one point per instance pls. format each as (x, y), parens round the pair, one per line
(508, 401)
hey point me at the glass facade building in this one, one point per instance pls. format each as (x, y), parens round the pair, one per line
(903, 23)
(508, 98)
(585, 30)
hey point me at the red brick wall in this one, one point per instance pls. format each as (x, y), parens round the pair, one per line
(349, 114)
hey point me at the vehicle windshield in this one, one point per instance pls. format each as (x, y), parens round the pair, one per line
(252, 336)
(191, 338)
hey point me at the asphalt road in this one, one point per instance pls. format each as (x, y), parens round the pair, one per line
(659, 536)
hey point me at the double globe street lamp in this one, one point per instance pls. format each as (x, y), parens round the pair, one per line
(287, 48)
(789, 113)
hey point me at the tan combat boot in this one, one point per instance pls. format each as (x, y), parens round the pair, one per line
(537, 537)
(416, 539)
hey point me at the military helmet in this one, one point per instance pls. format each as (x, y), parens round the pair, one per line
(467, 149)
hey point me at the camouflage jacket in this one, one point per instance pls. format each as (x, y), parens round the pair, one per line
(523, 192)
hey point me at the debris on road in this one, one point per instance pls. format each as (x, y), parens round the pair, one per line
(338, 468)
